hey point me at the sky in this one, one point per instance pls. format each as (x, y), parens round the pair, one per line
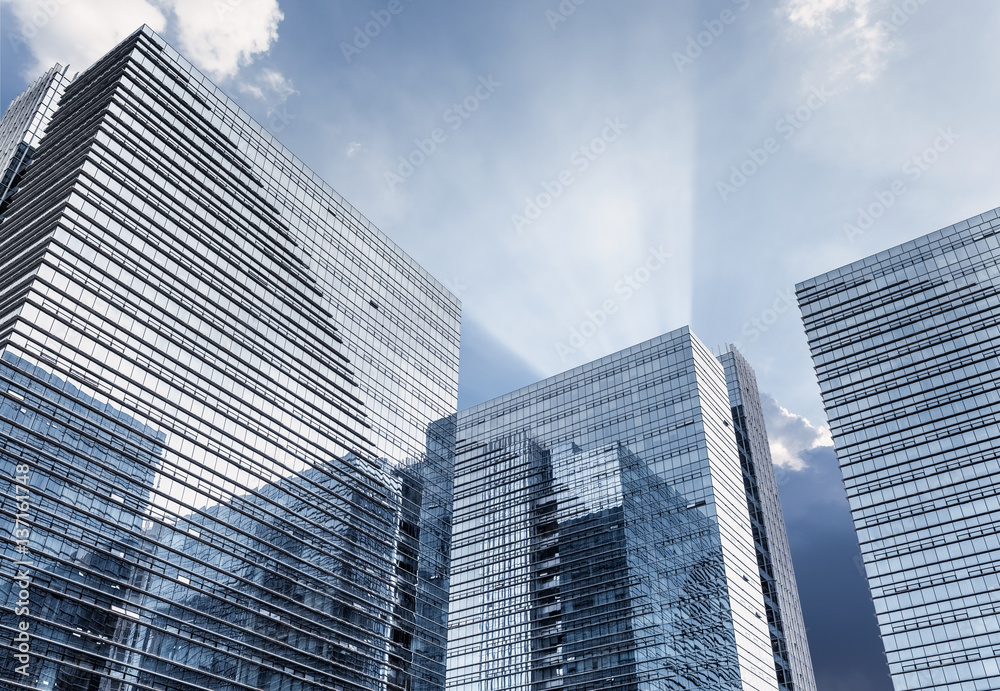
(588, 174)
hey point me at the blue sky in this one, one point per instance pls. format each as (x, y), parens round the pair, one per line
(586, 175)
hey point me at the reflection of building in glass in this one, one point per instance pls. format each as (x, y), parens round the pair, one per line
(91, 469)
(260, 383)
(906, 346)
(303, 570)
(792, 661)
(602, 537)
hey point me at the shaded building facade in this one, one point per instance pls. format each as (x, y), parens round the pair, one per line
(906, 347)
(792, 660)
(262, 384)
(602, 536)
(87, 470)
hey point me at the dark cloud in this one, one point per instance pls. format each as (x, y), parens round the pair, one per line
(840, 620)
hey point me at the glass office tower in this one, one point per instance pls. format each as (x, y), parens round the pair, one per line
(225, 442)
(906, 345)
(602, 536)
(792, 661)
(23, 125)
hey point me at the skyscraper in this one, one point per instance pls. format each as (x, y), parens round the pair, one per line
(603, 538)
(23, 125)
(792, 661)
(906, 346)
(225, 442)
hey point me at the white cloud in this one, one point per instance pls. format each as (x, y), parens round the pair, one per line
(277, 83)
(789, 435)
(219, 36)
(856, 38)
(224, 35)
(272, 89)
(818, 14)
(76, 33)
(254, 90)
(269, 86)
(353, 148)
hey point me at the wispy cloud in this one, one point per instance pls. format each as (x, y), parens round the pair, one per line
(854, 39)
(790, 435)
(820, 14)
(269, 86)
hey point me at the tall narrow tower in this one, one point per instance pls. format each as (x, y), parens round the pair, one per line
(792, 661)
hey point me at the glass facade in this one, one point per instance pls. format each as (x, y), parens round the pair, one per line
(602, 538)
(905, 346)
(792, 661)
(226, 407)
(83, 566)
(23, 125)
